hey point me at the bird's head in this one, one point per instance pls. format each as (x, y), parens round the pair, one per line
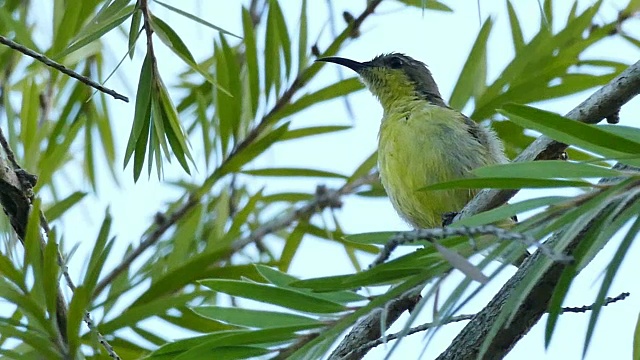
(394, 78)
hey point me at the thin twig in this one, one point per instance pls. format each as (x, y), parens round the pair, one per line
(408, 237)
(45, 60)
(608, 300)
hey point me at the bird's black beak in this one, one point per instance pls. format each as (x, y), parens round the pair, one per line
(353, 65)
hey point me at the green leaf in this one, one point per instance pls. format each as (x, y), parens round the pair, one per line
(34, 339)
(256, 318)
(98, 30)
(10, 272)
(271, 54)
(251, 56)
(134, 314)
(143, 107)
(188, 319)
(158, 132)
(141, 144)
(196, 268)
(201, 347)
(33, 248)
(77, 309)
(197, 19)
(302, 38)
(171, 39)
(365, 168)
(282, 279)
(63, 31)
(427, 4)
(506, 183)
(252, 151)
(28, 306)
(60, 207)
(291, 197)
(234, 104)
(547, 15)
(294, 172)
(636, 340)
(51, 271)
(546, 168)
(239, 220)
(287, 298)
(173, 130)
(29, 121)
(372, 238)
(508, 210)
(474, 72)
(291, 246)
(185, 349)
(569, 131)
(312, 131)
(354, 281)
(205, 350)
(54, 159)
(516, 30)
(283, 33)
(134, 31)
(275, 277)
(99, 255)
(628, 132)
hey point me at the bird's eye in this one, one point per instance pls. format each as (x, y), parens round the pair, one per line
(396, 63)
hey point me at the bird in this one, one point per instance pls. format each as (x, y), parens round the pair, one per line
(422, 140)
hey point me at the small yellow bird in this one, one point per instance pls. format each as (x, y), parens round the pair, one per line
(422, 141)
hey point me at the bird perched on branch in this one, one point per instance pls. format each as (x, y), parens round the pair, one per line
(422, 141)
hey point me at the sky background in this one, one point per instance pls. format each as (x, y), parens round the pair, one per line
(442, 40)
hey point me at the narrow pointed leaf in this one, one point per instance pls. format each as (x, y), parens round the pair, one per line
(274, 295)
(197, 19)
(256, 318)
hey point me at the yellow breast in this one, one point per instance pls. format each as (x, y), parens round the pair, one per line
(421, 146)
